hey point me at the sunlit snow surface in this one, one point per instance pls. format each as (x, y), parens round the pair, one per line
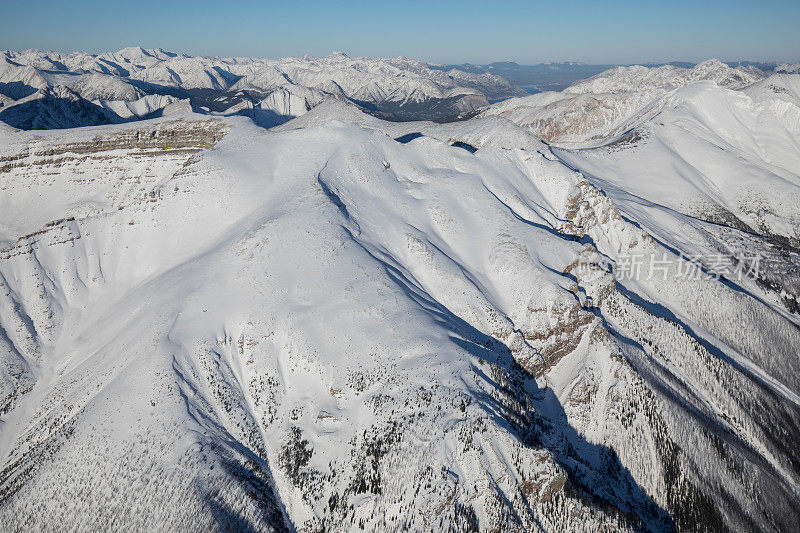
(204, 323)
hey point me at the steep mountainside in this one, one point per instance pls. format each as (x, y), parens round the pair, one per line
(346, 323)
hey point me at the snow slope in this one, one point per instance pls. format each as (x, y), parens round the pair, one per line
(785, 87)
(349, 323)
(714, 154)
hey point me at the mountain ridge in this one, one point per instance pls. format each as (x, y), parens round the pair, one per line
(300, 316)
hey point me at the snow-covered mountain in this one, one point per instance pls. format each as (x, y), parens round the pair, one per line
(639, 78)
(543, 76)
(786, 68)
(346, 323)
(399, 88)
(707, 142)
(602, 107)
(564, 118)
(728, 157)
(784, 87)
(50, 108)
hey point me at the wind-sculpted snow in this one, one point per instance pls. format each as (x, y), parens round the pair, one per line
(400, 88)
(206, 324)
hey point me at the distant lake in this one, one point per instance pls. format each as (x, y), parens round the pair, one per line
(530, 89)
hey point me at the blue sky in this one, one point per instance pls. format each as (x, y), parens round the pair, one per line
(447, 31)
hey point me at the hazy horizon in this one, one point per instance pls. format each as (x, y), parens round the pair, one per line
(527, 33)
(357, 55)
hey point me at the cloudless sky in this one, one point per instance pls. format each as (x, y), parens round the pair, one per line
(622, 31)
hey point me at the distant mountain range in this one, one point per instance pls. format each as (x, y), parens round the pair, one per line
(134, 83)
(558, 76)
(535, 78)
(47, 90)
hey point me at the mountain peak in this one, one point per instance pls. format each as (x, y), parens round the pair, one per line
(712, 63)
(133, 52)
